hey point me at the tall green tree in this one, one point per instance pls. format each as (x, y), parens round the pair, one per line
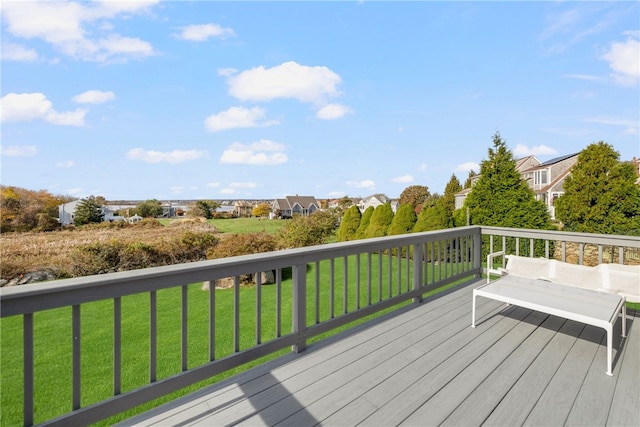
(380, 221)
(414, 195)
(432, 217)
(467, 183)
(600, 194)
(501, 197)
(88, 210)
(349, 224)
(364, 223)
(403, 221)
(149, 208)
(449, 199)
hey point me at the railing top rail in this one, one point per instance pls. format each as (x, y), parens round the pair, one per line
(66, 292)
(589, 238)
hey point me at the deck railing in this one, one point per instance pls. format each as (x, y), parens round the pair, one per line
(316, 291)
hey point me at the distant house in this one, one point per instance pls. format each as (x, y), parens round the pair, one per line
(545, 179)
(376, 200)
(67, 213)
(242, 208)
(292, 205)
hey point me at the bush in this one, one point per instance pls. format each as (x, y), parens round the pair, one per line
(115, 255)
(243, 244)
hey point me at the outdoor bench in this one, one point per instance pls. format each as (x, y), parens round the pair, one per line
(591, 295)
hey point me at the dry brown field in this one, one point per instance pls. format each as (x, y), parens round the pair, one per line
(22, 253)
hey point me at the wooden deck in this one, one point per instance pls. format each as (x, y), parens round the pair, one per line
(427, 366)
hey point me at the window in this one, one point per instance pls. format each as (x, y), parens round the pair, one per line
(541, 177)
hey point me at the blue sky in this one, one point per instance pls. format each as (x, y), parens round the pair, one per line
(230, 100)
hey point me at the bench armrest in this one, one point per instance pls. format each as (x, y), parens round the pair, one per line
(490, 269)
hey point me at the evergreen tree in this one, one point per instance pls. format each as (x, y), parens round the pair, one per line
(501, 198)
(380, 221)
(600, 194)
(88, 211)
(433, 217)
(403, 220)
(467, 182)
(349, 224)
(449, 199)
(364, 223)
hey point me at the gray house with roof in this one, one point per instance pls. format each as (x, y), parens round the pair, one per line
(295, 205)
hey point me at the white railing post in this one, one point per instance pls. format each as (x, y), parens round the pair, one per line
(477, 253)
(299, 309)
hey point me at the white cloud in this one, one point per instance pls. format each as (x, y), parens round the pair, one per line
(67, 164)
(631, 126)
(367, 183)
(78, 30)
(94, 97)
(243, 185)
(175, 156)
(540, 150)
(336, 194)
(213, 184)
(16, 52)
(237, 117)
(203, 32)
(226, 72)
(624, 60)
(227, 191)
(176, 189)
(19, 107)
(333, 111)
(263, 152)
(466, 167)
(18, 150)
(404, 179)
(422, 167)
(287, 80)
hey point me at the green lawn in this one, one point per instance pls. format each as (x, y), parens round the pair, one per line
(242, 225)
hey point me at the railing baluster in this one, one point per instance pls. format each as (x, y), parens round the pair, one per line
(390, 272)
(408, 258)
(317, 292)
(546, 249)
(184, 333)
(76, 376)
(358, 281)
(345, 285)
(517, 246)
(620, 254)
(599, 254)
(299, 302)
(236, 314)
(417, 269)
(258, 279)
(117, 346)
(581, 253)
(153, 335)
(399, 268)
(369, 280)
(27, 344)
(212, 321)
(563, 256)
(531, 248)
(279, 301)
(332, 289)
(433, 261)
(380, 276)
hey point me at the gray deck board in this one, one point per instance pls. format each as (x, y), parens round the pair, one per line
(427, 366)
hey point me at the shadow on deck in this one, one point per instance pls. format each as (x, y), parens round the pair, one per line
(425, 365)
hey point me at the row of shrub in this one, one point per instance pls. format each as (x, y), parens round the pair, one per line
(116, 255)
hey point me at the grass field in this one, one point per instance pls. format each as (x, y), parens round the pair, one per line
(53, 338)
(241, 225)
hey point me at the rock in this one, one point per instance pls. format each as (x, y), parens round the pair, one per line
(33, 277)
(3, 282)
(267, 277)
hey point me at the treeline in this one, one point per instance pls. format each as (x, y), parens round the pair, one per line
(26, 210)
(601, 196)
